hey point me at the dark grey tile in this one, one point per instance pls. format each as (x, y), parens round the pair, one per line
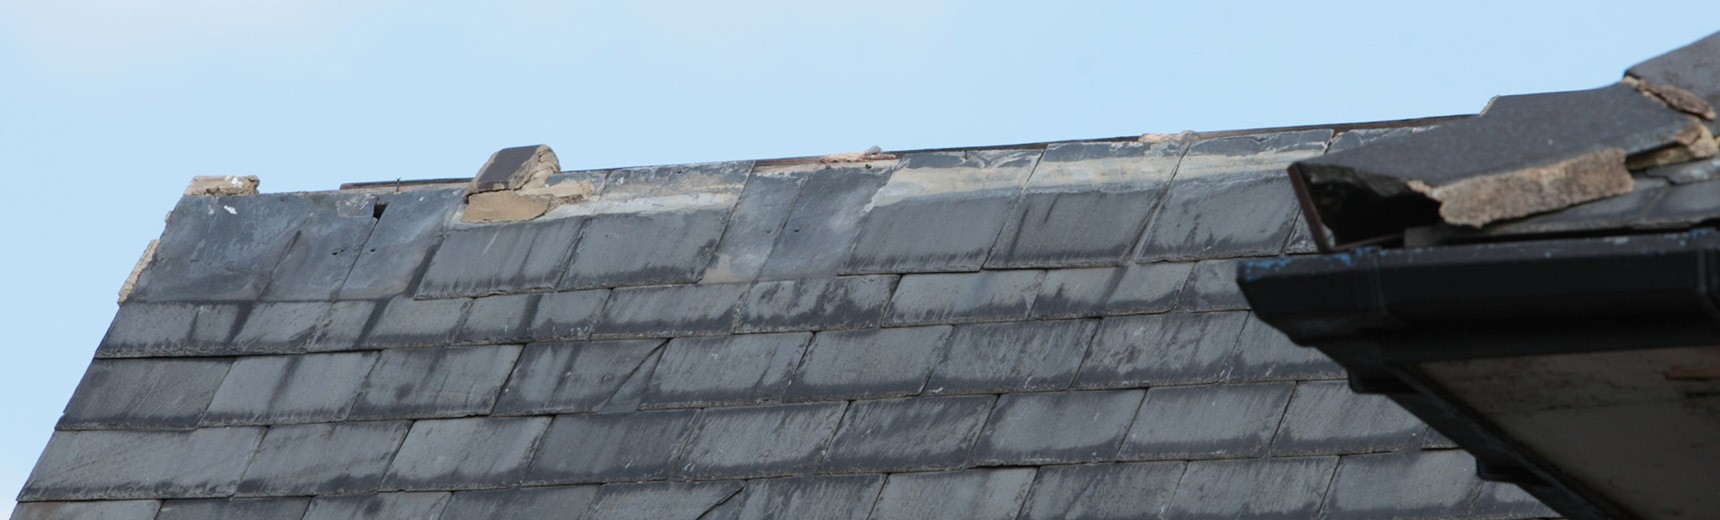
(848, 497)
(446, 382)
(940, 211)
(915, 434)
(107, 510)
(1057, 428)
(324, 249)
(654, 248)
(1110, 291)
(1103, 491)
(660, 501)
(632, 391)
(822, 226)
(1231, 198)
(1264, 354)
(724, 370)
(1301, 241)
(867, 364)
(1365, 136)
(405, 322)
(927, 299)
(1417, 484)
(849, 302)
(1212, 287)
(240, 508)
(754, 226)
(571, 377)
(1206, 422)
(510, 168)
(670, 311)
(500, 259)
(289, 389)
(498, 319)
(142, 329)
(581, 449)
(225, 248)
(1086, 205)
(567, 315)
(1688, 203)
(280, 327)
(1504, 500)
(143, 394)
(1690, 67)
(764, 441)
(1287, 489)
(521, 503)
(105, 465)
(392, 257)
(473, 453)
(323, 459)
(382, 505)
(1161, 349)
(344, 327)
(1326, 417)
(994, 494)
(991, 358)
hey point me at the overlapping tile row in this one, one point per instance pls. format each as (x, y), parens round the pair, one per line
(986, 334)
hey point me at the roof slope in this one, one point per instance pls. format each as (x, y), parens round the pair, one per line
(1040, 332)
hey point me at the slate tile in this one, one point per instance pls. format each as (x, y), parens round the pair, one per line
(992, 358)
(521, 503)
(632, 391)
(1103, 491)
(847, 497)
(927, 299)
(382, 505)
(107, 465)
(344, 327)
(1212, 287)
(500, 259)
(324, 248)
(1231, 198)
(1418, 484)
(323, 459)
(240, 508)
(447, 382)
(143, 394)
(224, 248)
(763, 441)
(498, 319)
(940, 211)
(1620, 211)
(405, 322)
(1687, 203)
(907, 434)
(581, 449)
(1265, 354)
(1086, 204)
(570, 377)
(724, 370)
(1326, 417)
(659, 501)
(824, 222)
(754, 226)
(1161, 349)
(667, 188)
(107, 510)
(1206, 422)
(849, 302)
(1301, 241)
(669, 311)
(1690, 67)
(400, 243)
(1288, 489)
(1110, 291)
(142, 329)
(471, 453)
(1360, 137)
(1436, 440)
(1702, 170)
(289, 389)
(655, 248)
(567, 315)
(867, 364)
(1058, 428)
(1504, 500)
(956, 495)
(280, 327)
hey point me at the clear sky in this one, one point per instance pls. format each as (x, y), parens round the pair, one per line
(108, 107)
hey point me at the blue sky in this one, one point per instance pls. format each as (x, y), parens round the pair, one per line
(108, 107)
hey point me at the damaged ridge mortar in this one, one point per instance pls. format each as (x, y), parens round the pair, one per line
(513, 185)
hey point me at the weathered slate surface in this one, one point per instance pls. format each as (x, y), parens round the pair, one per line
(940, 211)
(323, 459)
(1086, 204)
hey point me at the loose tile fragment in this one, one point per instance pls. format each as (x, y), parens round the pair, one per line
(765, 441)
(571, 377)
(1059, 428)
(848, 302)
(985, 494)
(1161, 349)
(907, 435)
(1230, 198)
(581, 449)
(1033, 356)
(500, 259)
(1086, 204)
(1202, 422)
(927, 299)
(1419, 484)
(245, 508)
(144, 394)
(669, 311)
(822, 226)
(724, 370)
(867, 364)
(289, 389)
(1103, 491)
(807, 498)
(471, 453)
(448, 382)
(1327, 418)
(383, 505)
(322, 459)
(660, 500)
(1253, 488)
(940, 211)
(1691, 69)
(109, 465)
(521, 503)
(104, 510)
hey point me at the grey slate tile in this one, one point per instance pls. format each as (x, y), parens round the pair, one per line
(581, 449)
(143, 329)
(940, 211)
(849, 302)
(405, 322)
(1103, 491)
(570, 377)
(754, 226)
(1503, 500)
(660, 501)
(289, 389)
(471, 453)
(632, 391)
(280, 327)
(101, 465)
(1086, 205)
(669, 311)
(323, 459)
(1206, 422)
(1231, 198)
(426, 506)
(1301, 241)
(1057, 428)
(446, 382)
(400, 243)
(1032, 356)
(764, 441)
(1287, 489)
(498, 319)
(143, 394)
(1265, 354)
(1212, 287)
(916, 434)
(1686, 203)
(1110, 291)
(344, 327)
(724, 370)
(995, 494)
(927, 299)
(1411, 485)
(107, 510)
(236, 508)
(822, 225)
(224, 248)
(324, 249)
(1161, 349)
(644, 248)
(1326, 417)
(1365, 136)
(847, 497)
(567, 315)
(675, 186)
(500, 259)
(521, 503)
(1690, 67)
(867, 364)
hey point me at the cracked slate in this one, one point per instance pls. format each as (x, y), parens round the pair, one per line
(390, 260)
(925, 299)
(280, 327)
(498, 319)
(940, 211)
(289, 389)
(1287, 489)
(1110, 291)
(1692, 67)
(445, 382)
(754, 226)
(405, 322)
(144, 394)
(322, 459)
(848, 302)
(241, 508)
(659, 500)
(990, 358)
(581, 449)
(111, 510)
(1103, 491)
(669, 311)
(632, 391)
(521, 503)
(1057, 428)
(1161, 349)
(95, 465)
(1086, 204)
(867, 364)
(1420, 484)
(1206, 422)
(471, 453)
(755, 442)
(806, 498)
(1327, 418)
(644, 249)
(500, 259)
(382, 505)
(995, 494)
(567, 315)
(915, 434)
(1230, 198)
(224, 248)
(142, 329)
(570, 377)
(1212, 287)
(724, 370)
(822, 225)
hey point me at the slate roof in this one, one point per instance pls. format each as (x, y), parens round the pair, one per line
(1042, 331)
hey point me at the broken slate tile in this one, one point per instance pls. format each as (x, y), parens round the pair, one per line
(446, 382)
(245, 508)
(1161, 349)
(473, 453)
(1206, 422)
(1325, 417)
(981, 494)
(825, 220)
(498, 319)
(847, 497)
(142, 329)
(916, 434)
(724, 370)
(1058, 428)
(224, 248)
(106, 510)
(754, 226)
(1110, 291)
(669, 311)
(927, 299)
(324, 248)
(660, 500)
(1360, 137)
(754, 442)
(143, 394)
(658, 248)
(1086, 204)
(1265, 354)
(289, 389)
(1417, 484)
(521, 503)
(405, 322)
(1212, 287)
(570, 377)
(848, 302)
(382, 505)
(1103, 491)
(940, 211)
(1690, 68)
(1253, 488)
(1617, 212)
(581, 449)
(411, 225)
(280, 327)
(992, 358)
(1231, 198)
(632, 391)
(322, 459)
(500, 259)
(867, 364)
(567, 315)
(110, 465)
